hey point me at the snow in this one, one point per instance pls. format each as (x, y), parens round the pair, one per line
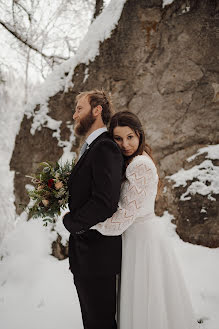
(186, 10)
(167, 2)
(11, 112)
(38, 289)
(86, 74)
(200, 267)
(99, 31)
(57, 81)
(56, 28)
(67, 146)
(211, 150)
(205, 176)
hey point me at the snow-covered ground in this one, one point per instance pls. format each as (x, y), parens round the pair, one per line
(37, 291)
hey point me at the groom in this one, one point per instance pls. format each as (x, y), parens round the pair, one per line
(94, 188)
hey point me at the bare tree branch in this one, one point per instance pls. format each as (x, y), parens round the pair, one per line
(16, 2)
(26, 43)
(43, 37)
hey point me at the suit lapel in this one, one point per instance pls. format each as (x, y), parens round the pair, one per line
(78, 164)
(80, 161)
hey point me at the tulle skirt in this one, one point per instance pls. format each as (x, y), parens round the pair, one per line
(153, 294)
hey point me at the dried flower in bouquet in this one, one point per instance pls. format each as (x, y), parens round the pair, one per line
(50, 193)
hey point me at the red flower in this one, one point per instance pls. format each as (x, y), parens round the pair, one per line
(50, 182)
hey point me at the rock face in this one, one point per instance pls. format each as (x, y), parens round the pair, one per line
(162, 64)
(191, 195)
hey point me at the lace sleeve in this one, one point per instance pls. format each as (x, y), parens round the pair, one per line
(138, 173)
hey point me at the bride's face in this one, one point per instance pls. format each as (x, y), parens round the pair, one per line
(127, 140)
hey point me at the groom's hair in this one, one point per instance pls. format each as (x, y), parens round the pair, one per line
(99, 97)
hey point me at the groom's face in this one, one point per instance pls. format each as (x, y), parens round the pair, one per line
(83, 116)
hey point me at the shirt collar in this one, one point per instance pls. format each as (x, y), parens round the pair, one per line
(95, 134)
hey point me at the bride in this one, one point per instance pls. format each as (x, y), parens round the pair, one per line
(153, 293)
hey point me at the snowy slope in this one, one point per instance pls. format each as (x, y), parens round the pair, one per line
(36, 290)
(11, 112)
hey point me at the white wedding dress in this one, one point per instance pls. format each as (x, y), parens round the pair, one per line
(153, 293)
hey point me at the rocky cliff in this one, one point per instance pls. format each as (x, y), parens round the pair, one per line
(162, 64)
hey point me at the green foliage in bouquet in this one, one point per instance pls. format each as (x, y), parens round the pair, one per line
(50, 193)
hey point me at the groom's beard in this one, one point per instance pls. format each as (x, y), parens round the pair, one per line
(84, 125)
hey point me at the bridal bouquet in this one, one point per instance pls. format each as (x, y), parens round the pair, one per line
(50, 193)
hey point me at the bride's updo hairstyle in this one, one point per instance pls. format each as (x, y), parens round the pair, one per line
(129, 119)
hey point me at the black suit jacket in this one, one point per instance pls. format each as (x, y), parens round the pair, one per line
(94, 189)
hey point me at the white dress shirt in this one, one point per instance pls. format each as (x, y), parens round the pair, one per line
(94, 135)
(90, 139)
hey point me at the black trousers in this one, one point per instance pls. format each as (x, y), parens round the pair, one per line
(97, 296)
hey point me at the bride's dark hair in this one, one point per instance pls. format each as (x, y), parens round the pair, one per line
(129, 119)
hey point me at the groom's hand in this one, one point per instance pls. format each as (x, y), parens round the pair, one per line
(71, 225)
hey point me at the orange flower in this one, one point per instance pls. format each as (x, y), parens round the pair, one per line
(45, 202)
(58, 185)
(40, 187)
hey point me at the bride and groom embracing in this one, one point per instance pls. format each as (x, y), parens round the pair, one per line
(113, 227)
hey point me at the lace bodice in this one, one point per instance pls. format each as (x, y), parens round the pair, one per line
(137, 197)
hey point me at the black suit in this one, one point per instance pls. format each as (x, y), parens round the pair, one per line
(94, 187)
